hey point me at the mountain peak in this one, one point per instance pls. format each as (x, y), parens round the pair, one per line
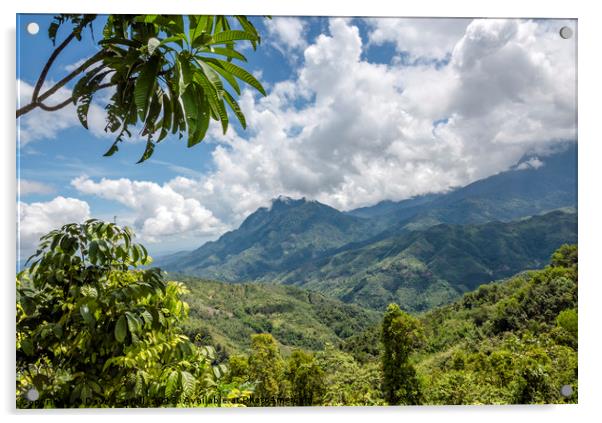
(286, 202)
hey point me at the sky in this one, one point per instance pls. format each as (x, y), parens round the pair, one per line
(357, 111)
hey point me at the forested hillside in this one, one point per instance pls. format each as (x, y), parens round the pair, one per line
(226, 315)
(272, 240)
(508, 342)
(418, 269)
(423, 269)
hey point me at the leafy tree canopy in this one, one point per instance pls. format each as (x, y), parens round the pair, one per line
(168, 74)
(93, 331)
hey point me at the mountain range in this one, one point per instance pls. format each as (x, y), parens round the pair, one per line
(420, 252)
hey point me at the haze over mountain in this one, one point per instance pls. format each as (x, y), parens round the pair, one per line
(420, 252)
(532, 186)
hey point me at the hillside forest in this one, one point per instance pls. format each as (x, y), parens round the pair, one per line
(95, 331)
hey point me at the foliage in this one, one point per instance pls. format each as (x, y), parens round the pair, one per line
(401, 334)
(346, 382)
(305, 377)
(565, 256)
(226, 315)
(508, 342)
(513, 342)
(266, 368)
(169, 74)
(92, 331)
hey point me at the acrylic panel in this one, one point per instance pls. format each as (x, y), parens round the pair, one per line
(295, 211)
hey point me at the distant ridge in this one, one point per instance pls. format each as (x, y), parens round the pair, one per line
(436, 245)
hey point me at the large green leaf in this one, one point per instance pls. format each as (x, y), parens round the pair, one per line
(239, 72)
(228, 36)
(121, 329)
(171, 384)
(233, 54)
(235, 108)
(226, 75)
(145, 86)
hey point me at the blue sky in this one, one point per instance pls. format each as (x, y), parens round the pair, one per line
(358, 111)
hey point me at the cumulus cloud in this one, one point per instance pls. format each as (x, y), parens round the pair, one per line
(28, 187)
(286, 34)
(39, 124)
(373, 131)
(37, 219)
(159, 210)
(420, 38)
(350, 133)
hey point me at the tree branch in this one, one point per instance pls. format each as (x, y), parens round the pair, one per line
(56, 106)
(37, 101)
(48, 65)
(97, 57)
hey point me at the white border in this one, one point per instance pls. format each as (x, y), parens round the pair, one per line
(590, 213)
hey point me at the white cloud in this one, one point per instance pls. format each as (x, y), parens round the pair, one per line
(40, 125)
(37, 219)
(72, 66)
(532, 163)
(350, 133)
(366, 132)
(27, 187)
(420, 38)
(159, 211)
(286, 34)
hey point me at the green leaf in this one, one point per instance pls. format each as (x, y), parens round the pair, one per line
(226, 75)
(188, 383)
(172, 383)
(85, 98)
(145, 86)
(185, 73)
(27, 346)
(28, 304)
(235, 108)
(133, 322)
(89, 291)
(212, 86)
(112, 150)
(121, 329)
(239, 72)
(148, 151)
(197, 115)
(84, 310)
(235, 35)
(233, 54)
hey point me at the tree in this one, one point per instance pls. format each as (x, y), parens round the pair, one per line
(346, 382)
(401, 334)
(565, 256)
(168, 74)
(94, 331)
(306, 378)
(266, 368)
(238, 369)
